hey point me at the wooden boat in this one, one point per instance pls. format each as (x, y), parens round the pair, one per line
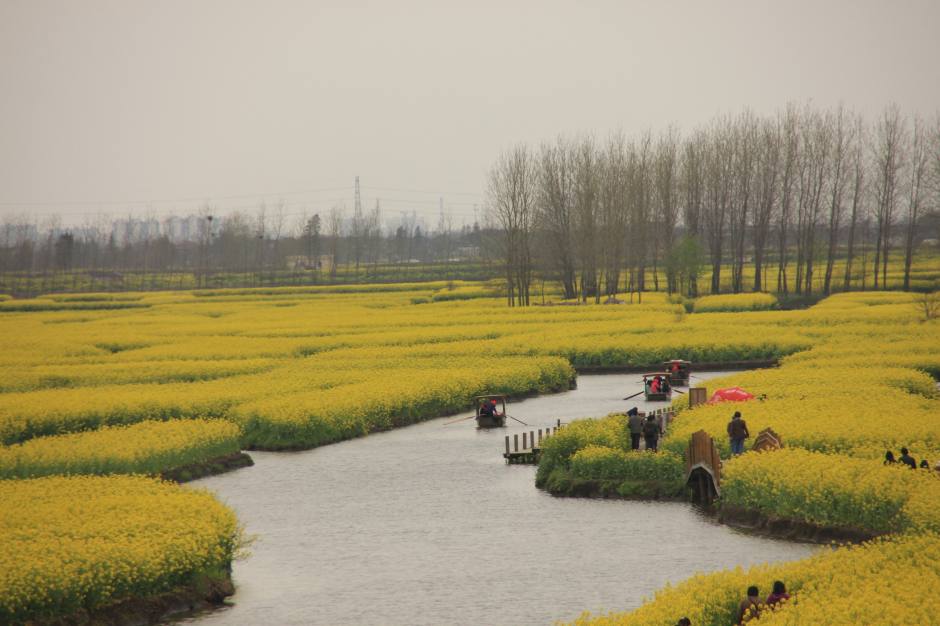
(498, 418)
(664, 394)
(679, 372)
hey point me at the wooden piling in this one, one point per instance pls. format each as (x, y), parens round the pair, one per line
(524, 446)
(697, 395)
(515, 441)
(507, 444)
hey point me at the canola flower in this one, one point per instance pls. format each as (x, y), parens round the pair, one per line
(879, 582)
(735, 302)
(144, 448)
(82, 542)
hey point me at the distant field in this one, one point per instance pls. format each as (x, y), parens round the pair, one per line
(925, 276)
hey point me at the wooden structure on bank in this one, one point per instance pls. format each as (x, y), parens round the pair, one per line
(703, 468)
(767, 439)
(679, 372)
(697, 396)
(531, 447)
(656, 396)
(497, 420)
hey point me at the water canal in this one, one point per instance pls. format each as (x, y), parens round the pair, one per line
(428, 525)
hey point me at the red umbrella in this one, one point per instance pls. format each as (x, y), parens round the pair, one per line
(732, 394)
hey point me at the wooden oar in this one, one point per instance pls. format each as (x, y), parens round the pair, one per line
(520, 421)
(634, 395)
(460, 420)
(677, 391)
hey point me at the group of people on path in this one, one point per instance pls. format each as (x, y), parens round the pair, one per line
(907, 459)
(648, 428)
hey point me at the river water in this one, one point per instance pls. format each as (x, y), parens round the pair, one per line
(428, 525)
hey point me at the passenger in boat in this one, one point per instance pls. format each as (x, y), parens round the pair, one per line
(737, 433)
(779, 594)
(665, 384)
(889, 458)
(651, 433)
(488, 409)
(654, 386)
(750, 606)
(907, 459)
(635, 425)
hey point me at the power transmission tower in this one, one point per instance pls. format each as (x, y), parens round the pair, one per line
(358, 205)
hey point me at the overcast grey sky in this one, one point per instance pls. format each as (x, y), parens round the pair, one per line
(168, 103)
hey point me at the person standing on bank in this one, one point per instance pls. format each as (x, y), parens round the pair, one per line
(635, 424)
(651, 433)
(737, 433)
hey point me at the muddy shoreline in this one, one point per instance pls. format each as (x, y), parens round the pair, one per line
(206, 593)
(211, 467)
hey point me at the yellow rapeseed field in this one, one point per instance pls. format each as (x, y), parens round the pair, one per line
(82, 542)
(94, 384)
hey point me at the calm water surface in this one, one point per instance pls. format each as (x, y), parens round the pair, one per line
(428, 525)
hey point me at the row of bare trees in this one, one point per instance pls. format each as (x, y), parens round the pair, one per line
(238, 248)
(772, 200)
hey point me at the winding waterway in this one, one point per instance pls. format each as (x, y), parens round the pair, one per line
(428, 525)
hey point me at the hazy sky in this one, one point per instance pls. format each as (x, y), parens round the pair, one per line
(117, 106)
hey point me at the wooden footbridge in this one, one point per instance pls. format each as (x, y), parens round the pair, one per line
(531, 447)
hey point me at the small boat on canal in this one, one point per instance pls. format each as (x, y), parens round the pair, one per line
(679, 372)
(490, 411)
(656, 387)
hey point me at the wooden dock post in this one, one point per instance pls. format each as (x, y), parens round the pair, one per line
(697, 395)
(524, 446)
(507, 444)
(515, 441)
(558, 424)
(540, 436)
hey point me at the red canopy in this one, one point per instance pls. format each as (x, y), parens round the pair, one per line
(732, 394)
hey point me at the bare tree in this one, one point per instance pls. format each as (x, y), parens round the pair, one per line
(858, 196)
(693, 191)
(842, 145)
(586, 201)
(511, 195)
(667, 200)
(613, 211)
(334, 230)
(719, 187)
(919, 171)
(889, 135)
(744, 135)
(768, 183)
(555, 209)
(790, 133)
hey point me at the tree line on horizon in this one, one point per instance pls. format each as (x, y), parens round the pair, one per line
(785, 195)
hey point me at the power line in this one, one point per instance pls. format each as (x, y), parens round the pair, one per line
(167, 201)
